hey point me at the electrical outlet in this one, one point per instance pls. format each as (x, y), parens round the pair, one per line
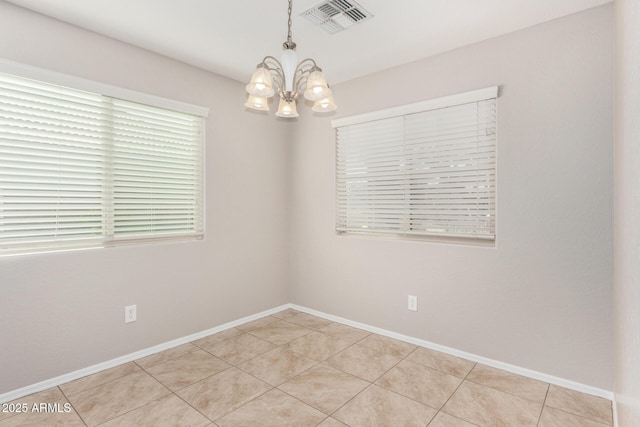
(413, 303)
(130, 314)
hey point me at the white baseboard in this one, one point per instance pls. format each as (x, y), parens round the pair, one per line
(62, 379)
(572, 385)
(615, 410)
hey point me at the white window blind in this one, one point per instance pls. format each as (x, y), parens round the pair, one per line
(82, 169)
(426, 169)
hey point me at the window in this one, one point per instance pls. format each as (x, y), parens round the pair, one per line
(425, 169)
(83, 169)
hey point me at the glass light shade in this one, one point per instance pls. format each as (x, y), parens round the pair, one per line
(325, 105)
(289, 61)
(257, 103)
(287, 109)
(261, 83)
(317, 87)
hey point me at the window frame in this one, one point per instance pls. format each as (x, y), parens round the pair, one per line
(75, 83)
(475, 96)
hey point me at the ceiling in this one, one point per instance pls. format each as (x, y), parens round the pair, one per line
(230, 37)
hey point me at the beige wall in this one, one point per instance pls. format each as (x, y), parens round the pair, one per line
(627, 214)
(65, 311)
(540, 299)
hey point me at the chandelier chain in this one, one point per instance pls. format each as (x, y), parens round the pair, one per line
(289, 37)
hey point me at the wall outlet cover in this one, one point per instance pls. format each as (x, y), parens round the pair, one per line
(130, 314)
(412, 303)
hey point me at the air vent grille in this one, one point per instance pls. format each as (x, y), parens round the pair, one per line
(336, 15)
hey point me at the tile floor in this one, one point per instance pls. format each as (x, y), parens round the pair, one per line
(294, 369)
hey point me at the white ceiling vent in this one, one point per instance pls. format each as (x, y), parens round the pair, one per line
(336, 15)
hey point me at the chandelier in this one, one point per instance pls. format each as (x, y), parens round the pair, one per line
(289, 78)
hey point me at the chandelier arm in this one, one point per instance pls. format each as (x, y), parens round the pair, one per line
(300, 82)
(275, 67)
(308, 61)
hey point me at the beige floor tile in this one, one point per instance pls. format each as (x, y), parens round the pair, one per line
(188, 369)
(317, 346)
(486, 406)
(280, 332)
(379, 407)
(264, 321)
(165, 355)
(223, 393)
(99, 378)
(273, 409)
(308, 321)
(509, 383)
(277, 366)
(420, 383)
(584, 405)
(388, 345)
(51, 395)
(344, 332)
(284, 314)
(445, 420)
(239, 349)
(324, 388)
(331, 422)
(441, 361)
(552, 417)
(363, 362)
(110, 400)
(170, 411)
(55, 415)
(216, 338)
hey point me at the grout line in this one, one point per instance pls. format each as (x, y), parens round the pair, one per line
(456, 390)
(350, 400)
(300, 400)
(426, 367)
(452, 416)
(236, 366)
(544, 402)
(231, 366)
(101, 384)
(218, 342)
(74, 408)
(136, 408)
(508, 392)
(191, 406)
(248, 401)
(371, 383)
(579, 416)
